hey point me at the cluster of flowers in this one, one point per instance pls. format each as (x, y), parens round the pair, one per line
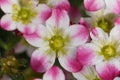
(89, 49)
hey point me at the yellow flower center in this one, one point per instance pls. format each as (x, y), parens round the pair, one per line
(56, 42)
(23, 14)
(105, 22)
(108, 51)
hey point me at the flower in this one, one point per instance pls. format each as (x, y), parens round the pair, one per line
(57, 39)
(23, 15)
(103, 49)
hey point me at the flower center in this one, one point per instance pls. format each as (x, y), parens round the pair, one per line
(24, 14)
(106, 22)
(108, 51)
(56, 42)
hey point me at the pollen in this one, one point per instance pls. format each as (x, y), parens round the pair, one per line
(108, 51)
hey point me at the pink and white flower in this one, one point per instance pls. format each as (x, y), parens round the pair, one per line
(23, 15)
(109, 5)
(57, 39)
(102, 48)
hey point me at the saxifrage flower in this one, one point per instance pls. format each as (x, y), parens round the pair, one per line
(57, 39)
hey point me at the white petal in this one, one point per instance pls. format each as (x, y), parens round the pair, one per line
(69, 61)
(41, 61)
(44, 13)
(54, 73)
(98, 35)
(7, 22)
(87, 73)
(37, 38)
(113, 6)
(78, 33)
(7, 5)
(59, 18)
(115, 32)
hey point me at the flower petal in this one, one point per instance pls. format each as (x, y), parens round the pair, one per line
(41, 61)
(117, 21)
(59, 18)
(117, 78)
(60, 4)
(98, 35)
(87, 55)
(54, 73)
(78, 33)
(44, 13)
(113, 6)
(87, 73)
(7, 23)
(6, 5)
(69, 60)
(26, 28)
(94, 5)
(104, 69)
(115, 32)
(36, 38)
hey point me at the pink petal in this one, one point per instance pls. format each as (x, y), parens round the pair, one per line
(7, 23)
(106, 71)
(26, 28)
(42, 61)
(60, 4)
(86, 54)
(78, 33)
(54, 73)
(113, 6)
(69, 60)
(59, 18)
(6, 5)
(44, 13)
(117, 21)
(94, 5)
(115, 32)
(36, 38)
